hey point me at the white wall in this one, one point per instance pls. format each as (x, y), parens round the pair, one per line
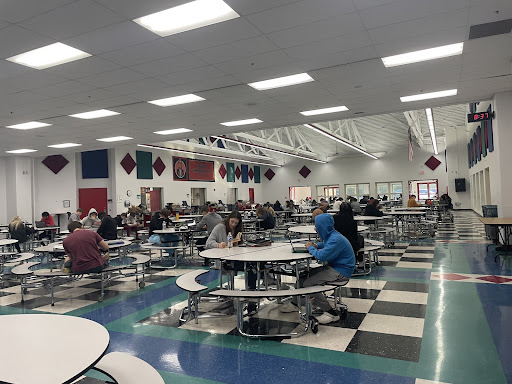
(173, 191)
(4, 219)
(457, 161)
(52, 189)
(351, 170)
(18, 196)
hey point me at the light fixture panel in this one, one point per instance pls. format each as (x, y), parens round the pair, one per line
(322, 111)
(177, 100)
(423, 55)
(173, 131)
(241, 122)
(49, 56)
(279, 82)
(29, 125)
(95, 114)
(115, 138)
(430, 95)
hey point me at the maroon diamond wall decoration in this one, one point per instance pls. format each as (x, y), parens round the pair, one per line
(251, 173)
(269, 174)
(159, 166)
(432, 163)
(128, 163)
(55, 163)
(223, 171)
(304, 171)
(238, 172)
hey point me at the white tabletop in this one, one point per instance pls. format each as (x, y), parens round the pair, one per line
(170, 230)
(182, 220)
(310, 229)
(190, 216)
(406, 213)
(274, 252)
(369, 218)
(222, 253)
(410, 209)
(48, 349)
(112, 244)
(4, 242)
(46, 228)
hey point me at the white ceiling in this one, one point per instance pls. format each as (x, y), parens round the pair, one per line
(338, 42)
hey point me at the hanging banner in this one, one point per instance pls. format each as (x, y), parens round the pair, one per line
(200, 170)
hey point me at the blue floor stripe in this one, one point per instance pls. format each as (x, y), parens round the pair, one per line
(235, 366)
(482, 262)
(497, 303)
(134, 304)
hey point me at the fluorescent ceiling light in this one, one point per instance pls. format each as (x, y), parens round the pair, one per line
(431, 127)
(95, 114)
(241, 122)
(195, 14)
(341, 108)
(279, 82)
(173, 131)
(29, 125)
(205, 154)
(64, 145)
(341, 141)
(424, 55)
(431, 95)
(49, 56)
(115, 138)
(177, 100)
(22, 151)
(267, 149)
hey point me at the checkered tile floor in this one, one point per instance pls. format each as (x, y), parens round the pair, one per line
(407, 255)
(465, 226)
(384, 319)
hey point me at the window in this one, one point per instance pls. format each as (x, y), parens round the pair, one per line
(299, 193)
(357, 190)
(392, 190)
(327, 191)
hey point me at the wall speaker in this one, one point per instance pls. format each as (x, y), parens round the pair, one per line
(460, 185)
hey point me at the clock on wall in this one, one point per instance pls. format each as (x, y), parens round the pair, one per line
(128, 193)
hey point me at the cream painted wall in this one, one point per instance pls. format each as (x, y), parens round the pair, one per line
(457, 159)
(173, 191)
(19, 198)
(3, 192)
(351, 170)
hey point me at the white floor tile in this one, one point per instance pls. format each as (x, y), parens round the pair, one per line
(413, 264)
(421, 247)
(419, 255)
(73, 292)
(366, 284)
(389, 258)
(16, 298)
(394, 325)
(217, 325)
(332, 338)
(403, 297)
(423, 381)
(65, 306)
(358, 305)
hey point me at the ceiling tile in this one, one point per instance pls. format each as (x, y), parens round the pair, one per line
(133, 9)
(339, 58)
(246, 7)
(195, 74)
(299, 13)
(82, 68)
(248, 64)
(14, 13)
(142, 53)
(137, 86)
(117, 76)
(73, 19)
(89, 96)
(62, 89)
(169, 65)
(10, 70)
(33, 79)
(490, 11)
(363, 4)
(15, 40)
(112, 37)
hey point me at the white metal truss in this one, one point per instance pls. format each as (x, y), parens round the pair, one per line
(286, 139)
(228, 148)
(412, 118)
(346, 130)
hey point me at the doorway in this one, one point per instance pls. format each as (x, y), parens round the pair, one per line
(251, 195)
(198, 197)
(92, 198)
(299, 193)
(424, 189)
(151, 198)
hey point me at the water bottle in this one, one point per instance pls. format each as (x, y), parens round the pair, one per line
(164, 225)
(230, 240)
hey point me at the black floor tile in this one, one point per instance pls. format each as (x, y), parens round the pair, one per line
(266, 327)
(97, 284)
(391, 253)
(399, 309)
(381, 344)
(398, 246)
(93, 296)
(169, 317)
(45, 291)
(35, 303)
(402, 286)
(353, 320)
(359, 293)
(388, 263)
(157, 278)
(412, 250)
(417, 259)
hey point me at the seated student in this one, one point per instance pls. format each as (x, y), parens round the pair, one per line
(49, 222)
(209, 220)
(83, 250)
(372, 209)
(220, 206)
(91, 219)
(19, 231)
(268, 221)
(131, 224)
(277, 206)
(76, 216)
(108, 227)
(120, 219)
(336, 251)
(337, 204)
(364, 200)
(323, 206)
(166, 239)
(412, 202)
(345, 224)
(290, 207)
(356, 207)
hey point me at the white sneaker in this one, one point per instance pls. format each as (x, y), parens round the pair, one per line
(326, 318)
(288, 308)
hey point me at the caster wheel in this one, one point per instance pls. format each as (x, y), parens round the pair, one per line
(100, 299)
(343, 314)
(142, 284)
(314, 327)
(392, 243)
(25, 291)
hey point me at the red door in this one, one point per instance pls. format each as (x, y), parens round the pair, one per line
(156, 200)
(92, 198)
(251, 195)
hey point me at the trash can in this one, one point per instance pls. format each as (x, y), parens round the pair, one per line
(490, 211)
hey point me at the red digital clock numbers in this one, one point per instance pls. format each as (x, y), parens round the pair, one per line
(480, 116)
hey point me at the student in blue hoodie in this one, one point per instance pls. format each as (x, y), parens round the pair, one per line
(337, 254)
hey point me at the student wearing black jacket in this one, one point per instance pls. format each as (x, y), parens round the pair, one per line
(108, 227)
(345, 224)
(372, 209)
(19, 231)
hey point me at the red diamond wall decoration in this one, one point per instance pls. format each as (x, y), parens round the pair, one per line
(128, 163)
(238, 172)
(269, 174)
(432, 163)
(222, 171)
(55, 163)
(251, 173)
(159, 166)
(304, 171)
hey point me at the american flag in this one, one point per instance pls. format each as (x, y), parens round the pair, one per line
(409, 138)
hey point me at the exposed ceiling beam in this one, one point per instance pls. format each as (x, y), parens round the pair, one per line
(262, 140)
(413, 120)
(220, 150)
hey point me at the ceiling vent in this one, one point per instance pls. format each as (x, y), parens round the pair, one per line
(490, 29)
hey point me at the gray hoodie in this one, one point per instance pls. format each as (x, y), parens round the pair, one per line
(87, 221)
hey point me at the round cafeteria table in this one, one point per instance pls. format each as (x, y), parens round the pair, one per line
(310, 229)
(47, 349)
(7, 242)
